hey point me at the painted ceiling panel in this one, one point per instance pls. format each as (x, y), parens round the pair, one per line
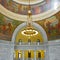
(36, 9)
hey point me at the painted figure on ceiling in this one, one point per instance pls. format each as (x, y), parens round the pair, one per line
(52, 26)
(4, 29)
(58, 27)
(10, 28)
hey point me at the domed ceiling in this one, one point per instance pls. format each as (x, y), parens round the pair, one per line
(38, 7)
(12, 10)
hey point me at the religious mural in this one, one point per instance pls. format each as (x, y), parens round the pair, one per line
(22, 9)
(7, 27)
(52, 26)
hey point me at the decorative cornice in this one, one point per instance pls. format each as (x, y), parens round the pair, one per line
(26, 2)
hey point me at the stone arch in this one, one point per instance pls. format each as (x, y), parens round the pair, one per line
(37, 26)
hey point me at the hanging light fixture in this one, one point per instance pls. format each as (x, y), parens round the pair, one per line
(29, 30)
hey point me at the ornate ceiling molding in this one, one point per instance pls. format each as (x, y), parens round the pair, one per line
(19, 17)
(26, 2)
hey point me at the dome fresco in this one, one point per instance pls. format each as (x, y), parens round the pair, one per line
(7, 27)
(36, 9)
(51, 25)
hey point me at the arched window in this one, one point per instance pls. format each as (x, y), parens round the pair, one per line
(38, 41)
(29, 41)
(20, 41)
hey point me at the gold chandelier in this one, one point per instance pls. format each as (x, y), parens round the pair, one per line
(29, 30)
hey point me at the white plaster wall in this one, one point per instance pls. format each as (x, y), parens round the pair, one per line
(54, 51)
(6, 52)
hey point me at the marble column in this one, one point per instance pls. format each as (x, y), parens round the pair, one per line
(23, 55)
(34, 54)
(46, 53)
